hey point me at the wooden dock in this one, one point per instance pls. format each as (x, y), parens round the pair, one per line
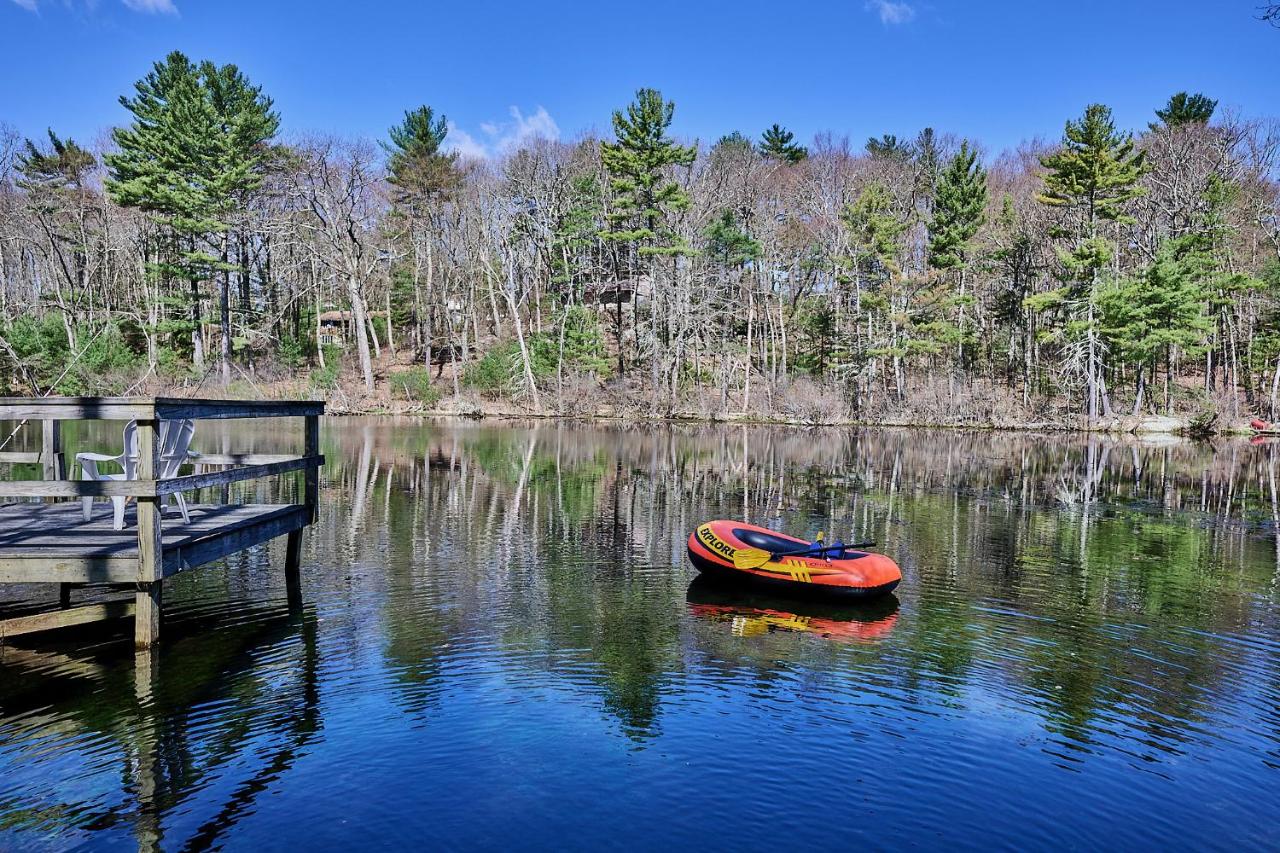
(50, 542)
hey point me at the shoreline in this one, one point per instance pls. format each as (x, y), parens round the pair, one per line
(1152, 425)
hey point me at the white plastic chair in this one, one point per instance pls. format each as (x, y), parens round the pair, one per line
(175, 449)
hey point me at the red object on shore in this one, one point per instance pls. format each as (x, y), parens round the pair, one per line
(1260, 425)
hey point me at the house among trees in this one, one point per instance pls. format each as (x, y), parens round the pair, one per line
(333, 328)
(625, 291)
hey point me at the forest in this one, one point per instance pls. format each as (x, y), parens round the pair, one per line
(1084, 281)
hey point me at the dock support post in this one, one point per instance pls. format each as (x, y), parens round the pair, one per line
(64, 595)
(310, 499)
(311, 447)
(292, 564)
(51, 450)
(150, 546)
(146, 614)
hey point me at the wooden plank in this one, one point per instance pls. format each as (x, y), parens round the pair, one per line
(51, 543)
(77, 408)
(241, 458)
(60, 530)
(145, 487)
(235, 475)
(176, 407)
(77, 488)
(150, 526)
(201, 551)
(64, 618)
(68, 569)
(27, 457)
(145, 408)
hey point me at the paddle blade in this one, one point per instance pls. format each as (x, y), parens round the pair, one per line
(750, 558)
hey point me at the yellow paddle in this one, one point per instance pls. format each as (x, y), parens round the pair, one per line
(754, 558)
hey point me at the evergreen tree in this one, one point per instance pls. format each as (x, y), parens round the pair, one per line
(575, 255)
(418, 170)
(645, 196)
(928, 163)
(193, 153)
(958, 210)
(1150, 316)
(876, 230)
(63, 167)
(728, 244)
(888, 146)
(58, 194)
(639, 165)
(776, 144)
(736, 141)
(1186, 109)
(421, 176)
(1092, 177)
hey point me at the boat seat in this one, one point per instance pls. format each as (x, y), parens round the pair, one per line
(765, 542)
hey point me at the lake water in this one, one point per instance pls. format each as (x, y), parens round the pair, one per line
(503, 646)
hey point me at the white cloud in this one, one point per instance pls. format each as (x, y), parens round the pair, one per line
(892, 13)
(499, 138)
(149, 7)
(464, 144)
(152, 7)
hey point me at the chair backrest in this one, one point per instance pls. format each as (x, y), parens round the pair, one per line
(175, 442)
(129, 456)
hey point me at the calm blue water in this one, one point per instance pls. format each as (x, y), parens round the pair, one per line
(502, 647)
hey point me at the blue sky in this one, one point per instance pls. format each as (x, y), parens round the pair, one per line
(998, 72)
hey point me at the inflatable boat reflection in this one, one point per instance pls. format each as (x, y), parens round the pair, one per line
(751, 615)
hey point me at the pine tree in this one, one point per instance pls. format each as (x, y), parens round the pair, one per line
(1092, 177)
(418, 170)
(776, 144)
(63, 167)
(58, 194)
(928, 163)
(889, 147)
(639, 166)
(728, 244)
(194, 151)
(421, 176)
(876, 231)
(958, 210)
(735, 140)
(645, 196)
(1186, 109)
(1150, 316)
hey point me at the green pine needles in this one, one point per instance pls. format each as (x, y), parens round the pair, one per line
(639, 164)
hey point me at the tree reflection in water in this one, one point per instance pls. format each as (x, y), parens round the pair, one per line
(1114, 595)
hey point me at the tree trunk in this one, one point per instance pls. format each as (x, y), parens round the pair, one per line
(1142, 387)
(197, 328)
(224, 314)
(360, 321)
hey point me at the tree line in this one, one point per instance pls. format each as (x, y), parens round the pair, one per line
(922, 278)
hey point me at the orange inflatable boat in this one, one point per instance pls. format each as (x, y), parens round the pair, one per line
(784, 565)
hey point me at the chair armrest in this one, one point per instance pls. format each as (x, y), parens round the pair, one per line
(99, 457)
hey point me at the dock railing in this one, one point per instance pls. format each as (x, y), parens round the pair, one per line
(148, 490)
